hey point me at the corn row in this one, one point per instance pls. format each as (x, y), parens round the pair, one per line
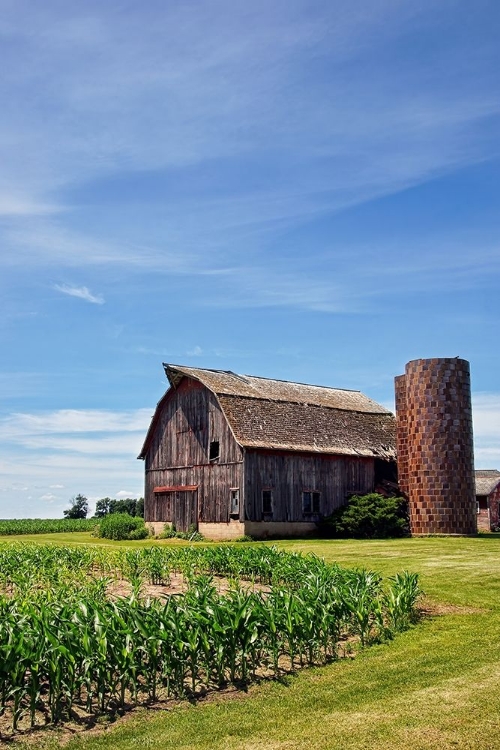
(64, 644)
(46, 525)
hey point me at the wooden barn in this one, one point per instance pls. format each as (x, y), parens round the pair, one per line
(487, 499)
(235, 454)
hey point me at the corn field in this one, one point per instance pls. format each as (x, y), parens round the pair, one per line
(46, 525)
(67, 647)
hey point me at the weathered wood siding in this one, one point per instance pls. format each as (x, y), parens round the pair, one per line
(190, 419)
(288, 475)
(179, 507)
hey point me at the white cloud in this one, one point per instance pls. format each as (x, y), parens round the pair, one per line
(82, 292)
(486, 417)
(486, 413)
(196, 351)
(125, 493)
(18, 426)
(74, 451)
(23, 206)
(48, 497)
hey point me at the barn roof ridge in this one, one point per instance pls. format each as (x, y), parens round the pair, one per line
(260, 377)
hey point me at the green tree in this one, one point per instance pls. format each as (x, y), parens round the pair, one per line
(102, 507)
(79, 507)
(106, 506)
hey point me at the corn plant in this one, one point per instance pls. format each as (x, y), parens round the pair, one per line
(64, 642)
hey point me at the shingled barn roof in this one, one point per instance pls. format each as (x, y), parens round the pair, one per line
(281, 415)
(486, 481)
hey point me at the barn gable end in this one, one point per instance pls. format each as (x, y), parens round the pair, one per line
(183, 485)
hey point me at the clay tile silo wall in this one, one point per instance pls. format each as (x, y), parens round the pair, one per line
(401, 433)
(436, 446)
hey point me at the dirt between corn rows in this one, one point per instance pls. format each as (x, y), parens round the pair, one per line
(179, 585)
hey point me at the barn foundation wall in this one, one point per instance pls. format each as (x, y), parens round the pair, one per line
(266, 529)
(222, 532)
(156, 527)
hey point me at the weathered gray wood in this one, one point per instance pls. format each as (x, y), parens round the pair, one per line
(179, 508)
(288, 475)
(179, 455)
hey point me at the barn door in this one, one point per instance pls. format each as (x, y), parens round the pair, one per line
(185, 509)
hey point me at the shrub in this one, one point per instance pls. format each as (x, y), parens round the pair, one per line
(371, 516)
(170, 532)
(140, 533)
(122, 526)
(167, 533)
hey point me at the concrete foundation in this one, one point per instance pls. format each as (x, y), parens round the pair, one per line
(265, 529)
(222, 532)
(225, 532)
(156, 527)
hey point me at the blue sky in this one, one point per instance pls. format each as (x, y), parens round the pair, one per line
(299, 190)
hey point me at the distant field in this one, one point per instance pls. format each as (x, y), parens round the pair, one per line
(437, 685)
(22, 526)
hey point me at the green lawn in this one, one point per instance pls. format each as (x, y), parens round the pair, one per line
(435, 686)
(81, 537)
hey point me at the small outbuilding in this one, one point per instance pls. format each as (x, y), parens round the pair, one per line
(232, 454)
(487, 498)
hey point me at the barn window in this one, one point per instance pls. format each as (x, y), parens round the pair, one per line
(267, 502)
(214, 450)
(235, 502)
(310, 503)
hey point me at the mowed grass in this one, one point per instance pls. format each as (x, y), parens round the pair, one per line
(82, 537)
(435, 686)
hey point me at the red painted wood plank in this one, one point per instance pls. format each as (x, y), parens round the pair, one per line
(177, 488)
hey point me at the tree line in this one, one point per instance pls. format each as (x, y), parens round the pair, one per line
(79, 507)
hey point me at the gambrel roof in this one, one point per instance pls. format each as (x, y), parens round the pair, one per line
(281, 415)
(486, 481)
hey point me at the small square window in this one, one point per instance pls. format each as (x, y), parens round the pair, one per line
(310, 503)
(267, 502)
(213, 454)
(235, 503)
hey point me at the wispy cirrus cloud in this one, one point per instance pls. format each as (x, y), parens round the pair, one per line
(72, 421)
(128, 100)
(70, 451)
(486, 417)
(81, 292)
(25, 205)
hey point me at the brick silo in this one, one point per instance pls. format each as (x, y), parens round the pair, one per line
(401, 433)
(435, 448)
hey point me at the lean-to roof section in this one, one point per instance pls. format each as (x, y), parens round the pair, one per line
(486, 480)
